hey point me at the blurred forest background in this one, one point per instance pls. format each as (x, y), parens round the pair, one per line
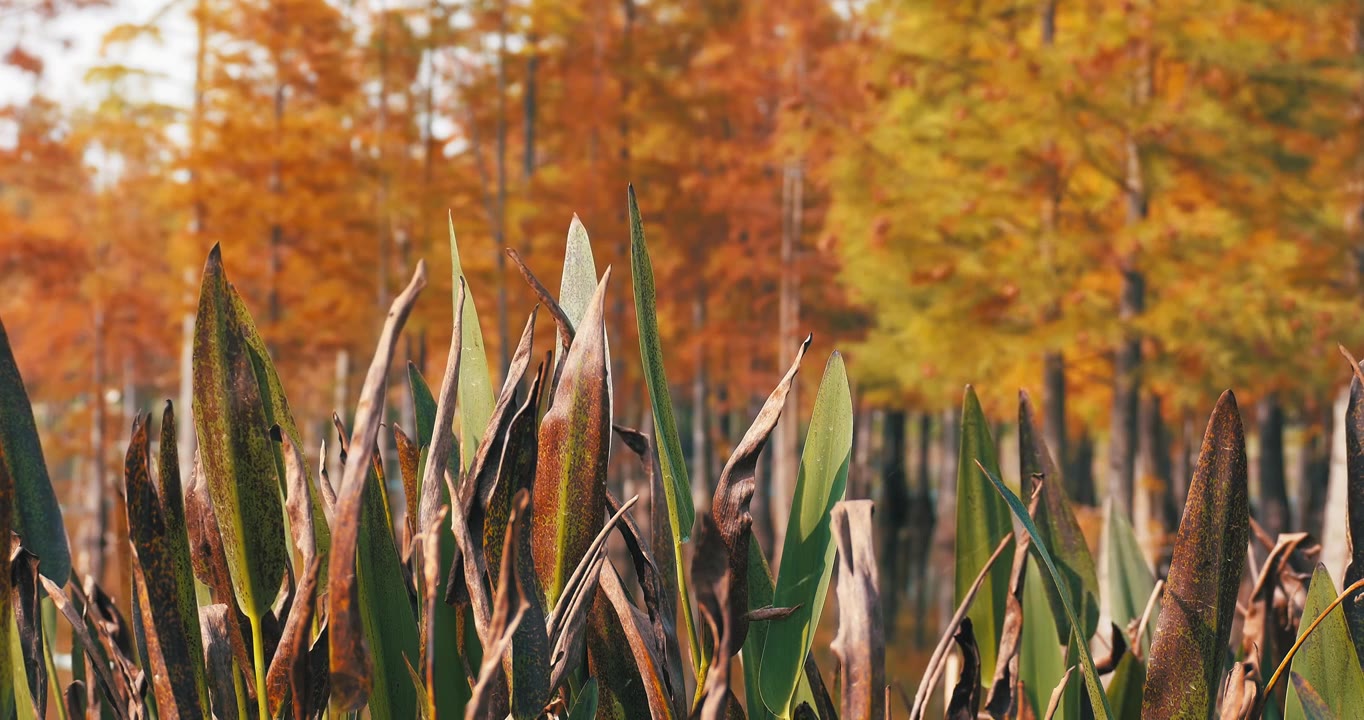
(1125, 207)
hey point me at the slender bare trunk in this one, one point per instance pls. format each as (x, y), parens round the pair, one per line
(96, 496)
(1316, 468)
(700, 435)
(500, 228)
(944, 534)
(1273, 510)
(923, 524)
(894, 516)
(788, 320)
(1181, 473)
(530, 107)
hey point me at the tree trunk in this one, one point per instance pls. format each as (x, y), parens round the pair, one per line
(1273, 510)
(97, 513)
(944, 534)
(1054, 382)
(923, 520)
(894, 516)
(500, 228)
(1127, 358)
(1335, 534)
(784, 465)
(1316, 468)
(700, 435)
(530, 107)
(188, 440)
(1081, 466)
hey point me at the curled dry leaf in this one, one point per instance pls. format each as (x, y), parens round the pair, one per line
(298, 502)
(656, 577)
(508, 610)
(289, 674)
(1205, 577)
(214, 620)
(965, 702)
(1354, 464)
(351, 665)
(114, 688)
(734, 493)
(28, 621)
(860, 642)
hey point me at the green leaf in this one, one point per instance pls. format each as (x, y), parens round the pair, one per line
(1325, 660)
(1124, 688)
(1314, 706)
(982, 521)
(1127, 579)
(9, 669)
(234, 447)
(1060, 530)
(1041, 658)
(277, 412)
(808, 550)
(579, 280)
(676, 486)
(475, 380)
(585, 705)
(1092, 682)
(35, 513)
(1188, 654)
(574, 444)
(385, 609)
(424, 403)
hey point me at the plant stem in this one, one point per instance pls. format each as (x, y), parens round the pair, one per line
(258, 649)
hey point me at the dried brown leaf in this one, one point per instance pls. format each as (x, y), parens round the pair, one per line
(860, 642)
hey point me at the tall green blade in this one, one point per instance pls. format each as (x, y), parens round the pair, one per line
(36, 516)
(676, 486)
(475, 380)
(235, 450)
(1041, 659)
(1097, 697)
(1127, 579)
(1326, 659)
(385, 609)
(808, 551)
(1124, 688)
(982, 521)
(1184, 672)
(1057, 522)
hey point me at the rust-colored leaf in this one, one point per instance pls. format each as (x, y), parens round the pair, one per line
(734, 492)
(965, 702)
(645, 656)
(289, 675)
(575, 437)
(514, 471)
(860, 642)
(1205, 576)
(409, 457)
(351, 665)
(175, 655)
